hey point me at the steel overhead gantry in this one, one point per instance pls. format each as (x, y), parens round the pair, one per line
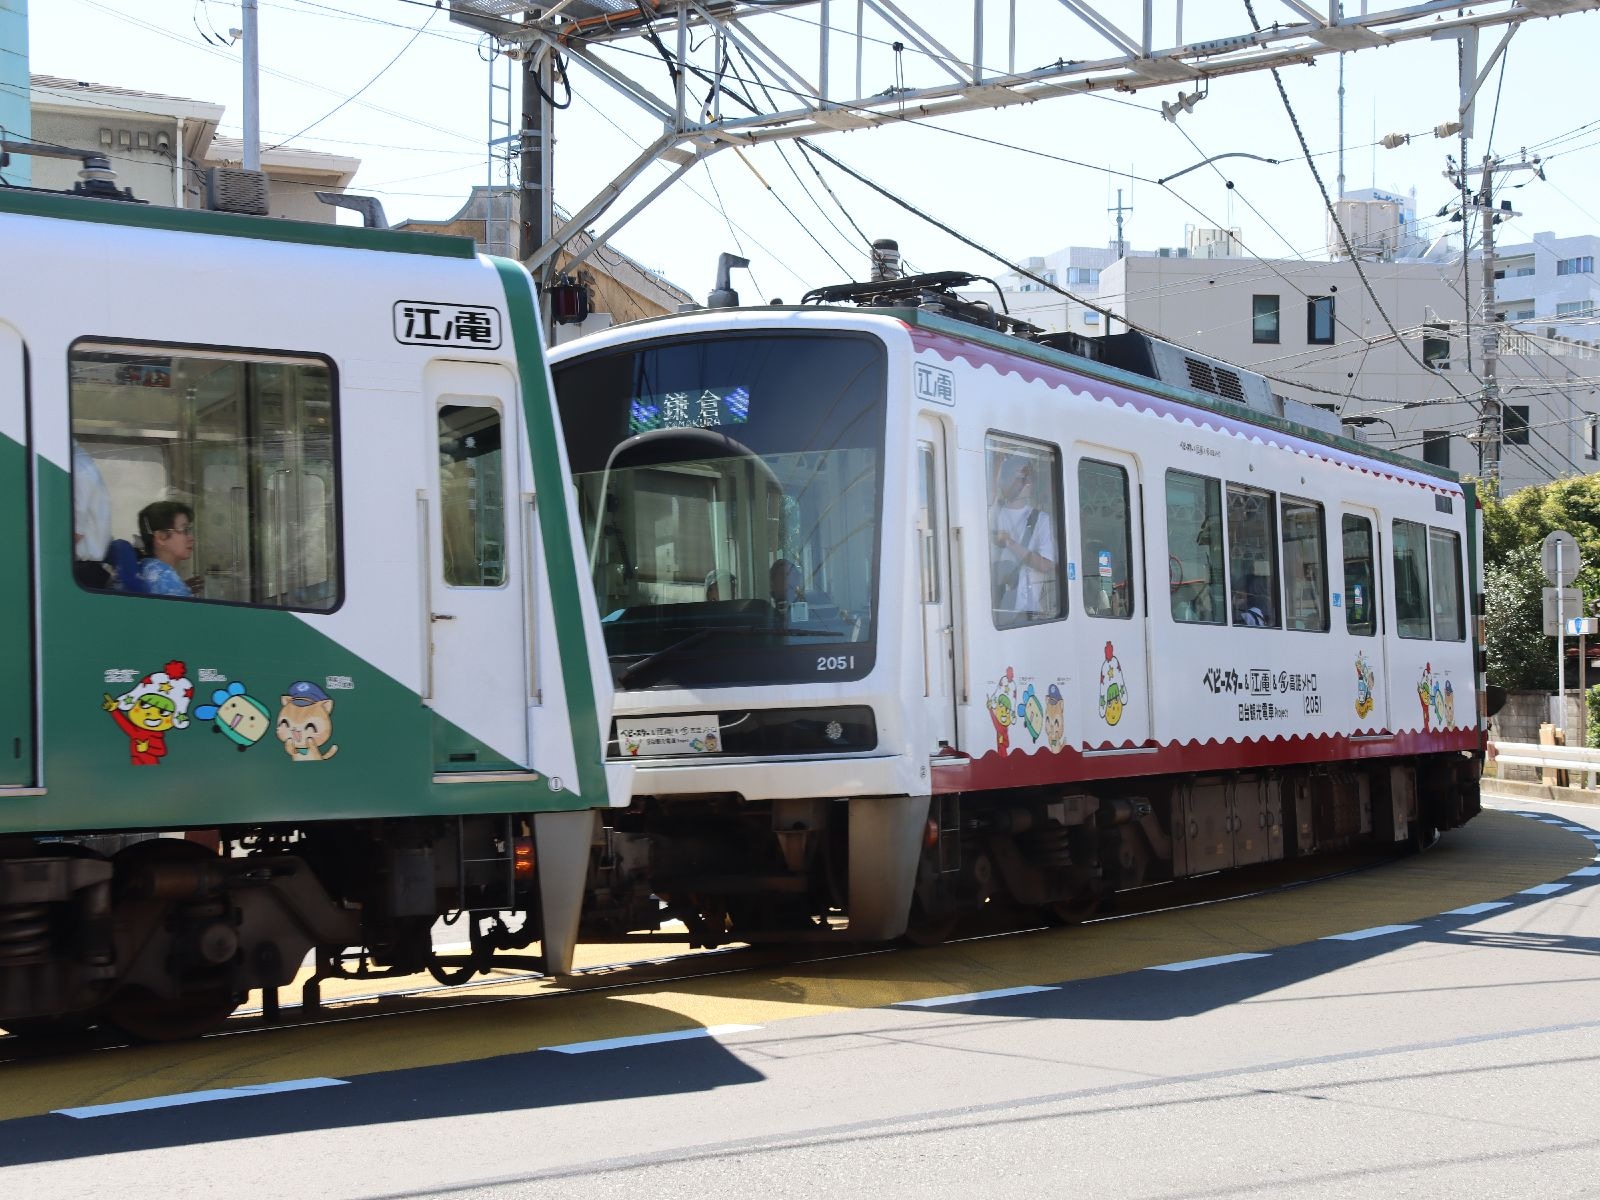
(816, 62)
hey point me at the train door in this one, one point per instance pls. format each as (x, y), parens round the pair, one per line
(16, 586)
(1361, 602)
(932, 512)
(1113, 668)
(479, 677)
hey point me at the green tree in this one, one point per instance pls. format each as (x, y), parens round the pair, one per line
(1520, 656)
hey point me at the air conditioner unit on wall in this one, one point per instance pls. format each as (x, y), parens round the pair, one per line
(235, 190)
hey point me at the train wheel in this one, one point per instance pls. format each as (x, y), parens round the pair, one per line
(150, 1018)
(1076, 910)
(141, 1013)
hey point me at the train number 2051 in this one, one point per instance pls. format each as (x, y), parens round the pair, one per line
(836, 662)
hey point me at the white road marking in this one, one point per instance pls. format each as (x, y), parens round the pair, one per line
(1473, 910)
(1585, 871)
(182, 1098)
(1544, 889)
(1194, 964)
(969, 997)
(649, 1039)
(1360, 935)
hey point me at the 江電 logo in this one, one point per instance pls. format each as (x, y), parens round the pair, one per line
(430, 323)
(935, 384)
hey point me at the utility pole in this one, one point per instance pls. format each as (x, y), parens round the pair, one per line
(1491, 419)
(536, 212)
(252, 86)
(1121, 247)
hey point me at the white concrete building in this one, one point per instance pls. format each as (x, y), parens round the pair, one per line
(162, 146)
(1314, 330)
(1548, 286)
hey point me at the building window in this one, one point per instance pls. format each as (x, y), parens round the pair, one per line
(1436, 447)
(1516, 424)
(1264, 319)
(1319, 320)
(1576, 266)
(1084, 275)
(1436, 345)
(1575, 308)
(217, 470)
(1090, 317)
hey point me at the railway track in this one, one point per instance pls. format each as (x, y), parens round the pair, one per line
(509, 986)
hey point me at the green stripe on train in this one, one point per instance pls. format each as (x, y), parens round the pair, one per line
(561, 561)
(383, 766)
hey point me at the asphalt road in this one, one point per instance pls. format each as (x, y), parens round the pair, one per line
(1352, 1037)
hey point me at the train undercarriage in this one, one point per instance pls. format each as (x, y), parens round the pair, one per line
(734, 871)
(164, 937)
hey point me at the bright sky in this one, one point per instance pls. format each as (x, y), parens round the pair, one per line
(420, 128)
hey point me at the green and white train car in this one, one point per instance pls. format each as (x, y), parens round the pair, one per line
(290, 557)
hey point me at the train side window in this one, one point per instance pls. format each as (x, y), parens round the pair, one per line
(1305, 566)
(1194, 548)
(219, 469)
(928, 523)
(472, 490)
(1360, 582)
(1411, 580)
(1444, 560)
(1253, 557)
(1106, 533)
(1024, 517)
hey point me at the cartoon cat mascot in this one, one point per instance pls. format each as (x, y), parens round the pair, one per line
(305, 723)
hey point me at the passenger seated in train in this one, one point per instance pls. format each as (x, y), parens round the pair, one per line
(1246, 610)
(167, 529)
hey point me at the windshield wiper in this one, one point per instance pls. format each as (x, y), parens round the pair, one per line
(705, 631)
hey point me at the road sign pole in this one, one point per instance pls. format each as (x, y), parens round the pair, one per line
(1561, 656)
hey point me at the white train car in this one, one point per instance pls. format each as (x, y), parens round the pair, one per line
(358, 641)
(908, 617)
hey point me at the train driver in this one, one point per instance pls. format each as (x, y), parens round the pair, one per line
(167, 528)
(1024, 544)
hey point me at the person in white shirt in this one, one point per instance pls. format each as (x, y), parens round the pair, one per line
(1023, 554)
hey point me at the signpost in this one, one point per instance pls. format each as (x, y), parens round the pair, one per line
(1559, 556)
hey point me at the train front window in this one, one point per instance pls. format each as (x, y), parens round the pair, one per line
(205, 475)
(730, 488)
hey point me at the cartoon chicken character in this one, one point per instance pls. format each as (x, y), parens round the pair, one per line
(1113, 687)
(157, 703)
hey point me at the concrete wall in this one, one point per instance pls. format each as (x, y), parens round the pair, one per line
(1520, 719)
(134, 151)
(14, 115)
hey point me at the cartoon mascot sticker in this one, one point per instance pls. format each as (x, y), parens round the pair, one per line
(1002, 705)
(1366, 682)
(305, 723)
(1055, 717)
(1113, 687)
(147, 711)
(242, 717)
